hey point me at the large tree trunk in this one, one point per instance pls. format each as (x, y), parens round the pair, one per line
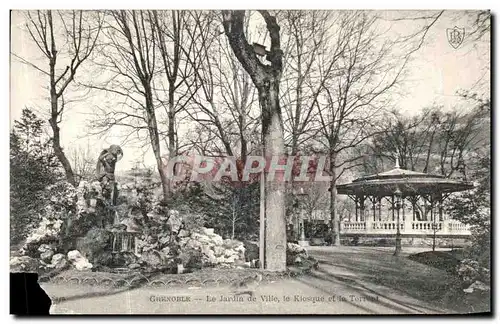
(266, 78)
(334, 216)
(272, 127)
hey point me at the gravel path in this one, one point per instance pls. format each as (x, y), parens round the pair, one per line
(350, 280)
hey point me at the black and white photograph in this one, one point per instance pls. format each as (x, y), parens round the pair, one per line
(250, 162)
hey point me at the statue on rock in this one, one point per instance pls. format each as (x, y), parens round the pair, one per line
(106, 171)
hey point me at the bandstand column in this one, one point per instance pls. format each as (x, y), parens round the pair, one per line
(374, 207)
(407, 222)
(368, 220)
(356, 202)
(379, 209)
(440, 207)
(403, 217)
(393, 206)
(362, 208)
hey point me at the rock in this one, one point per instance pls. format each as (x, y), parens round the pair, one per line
(131, 225)
(183, 233)
(165, 251)
(219, 250)
(74, 255)
(208, 231)
(295, 248)
(44, 248)
(58, 261)
(230, 259)
(193, 244)
(83, 265)
(23, 264)
(164, 240)
(129, 257)
(209, 253)
(212, 259)
(477, 285)
(79, 261)
(218, 240)
(200, 238)
(183, 241)
(134, 266)
(47, 255)
(151, 258)
(173, 213)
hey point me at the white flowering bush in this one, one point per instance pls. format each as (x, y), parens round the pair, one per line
(63, 201)
(62, 195)
(87, 196)
(61, 204)
(47, 230)
(470, 271)
(295, 248)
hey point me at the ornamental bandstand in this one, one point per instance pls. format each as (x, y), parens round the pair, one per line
(406, 200)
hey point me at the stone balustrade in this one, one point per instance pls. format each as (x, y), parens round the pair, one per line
(446, 227)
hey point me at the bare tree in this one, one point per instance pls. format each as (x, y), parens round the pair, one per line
(353, 97)
(225, 97)
(175, 48)
(145, 54)
(266, 79)
(460, 134)
(432, 141)
(306, 36)
(131, 58)
(83, 160)
(413, 138)
(67, 39)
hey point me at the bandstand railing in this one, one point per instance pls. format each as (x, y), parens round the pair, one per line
(446, 227)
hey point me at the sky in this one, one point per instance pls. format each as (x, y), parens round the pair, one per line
(436, 73)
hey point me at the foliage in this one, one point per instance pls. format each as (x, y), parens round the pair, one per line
(470, 271)
(231, 210)
(59, 203)
(473, 207)
(33, 167)
(95, 245)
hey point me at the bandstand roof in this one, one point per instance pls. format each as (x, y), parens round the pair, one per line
(410, 183)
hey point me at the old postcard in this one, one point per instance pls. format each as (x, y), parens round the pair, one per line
(251, 162)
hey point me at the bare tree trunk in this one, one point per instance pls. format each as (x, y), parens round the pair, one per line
(234, 219)
(56, 136)
(334, 217)
(155, 140)
(58, 151)
(172, 148)
(75, 52)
